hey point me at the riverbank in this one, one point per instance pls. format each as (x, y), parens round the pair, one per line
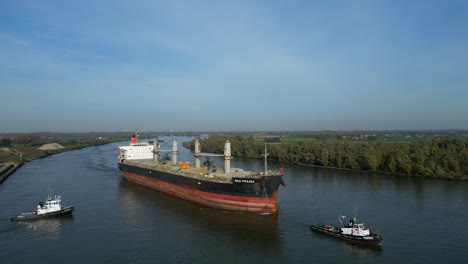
(26, 154)
(7, 169)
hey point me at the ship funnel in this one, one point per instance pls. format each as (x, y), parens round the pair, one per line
(227, 157)
(134, 139)
(175, 151)
(197, 153)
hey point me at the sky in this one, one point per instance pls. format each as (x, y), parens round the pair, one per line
(83, 66)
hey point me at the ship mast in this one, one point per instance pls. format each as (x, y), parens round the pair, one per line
(49, 194)
(266, 154)
(227, 157)
(197, 153)
(156, 149)
(175, 150)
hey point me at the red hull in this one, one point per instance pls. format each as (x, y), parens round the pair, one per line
(213, 200)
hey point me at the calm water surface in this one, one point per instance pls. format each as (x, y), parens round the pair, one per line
(115, 221)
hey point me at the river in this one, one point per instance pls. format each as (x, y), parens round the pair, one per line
(421, 220)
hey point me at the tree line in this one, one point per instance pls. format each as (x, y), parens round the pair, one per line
(445, 157)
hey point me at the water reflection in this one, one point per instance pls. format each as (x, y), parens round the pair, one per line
(363, 251)
(47, 228)
(138, 201)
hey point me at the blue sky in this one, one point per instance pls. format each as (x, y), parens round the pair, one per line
(77, 66)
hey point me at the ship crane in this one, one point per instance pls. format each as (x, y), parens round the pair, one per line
(157, 149)
(227, 155)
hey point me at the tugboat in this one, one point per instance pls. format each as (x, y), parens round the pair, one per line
(353, 232)
(52, 207)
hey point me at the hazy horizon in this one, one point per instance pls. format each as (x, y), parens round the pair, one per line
(86, 66)
(170, 132)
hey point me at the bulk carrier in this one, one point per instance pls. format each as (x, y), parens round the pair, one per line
(231, 189)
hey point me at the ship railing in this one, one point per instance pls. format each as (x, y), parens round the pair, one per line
(268, 172)
(203, 176)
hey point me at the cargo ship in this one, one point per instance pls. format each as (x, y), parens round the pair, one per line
(230, 189)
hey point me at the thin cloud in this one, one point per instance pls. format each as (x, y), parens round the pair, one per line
(334, 64)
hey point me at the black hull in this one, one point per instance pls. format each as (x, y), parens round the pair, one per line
(33, 216)
(255, 194)
(371, 240)
(261, 187)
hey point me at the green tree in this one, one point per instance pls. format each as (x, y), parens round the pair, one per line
(5, 142)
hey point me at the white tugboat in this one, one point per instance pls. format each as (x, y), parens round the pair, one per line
(353, 231)
(52, 207)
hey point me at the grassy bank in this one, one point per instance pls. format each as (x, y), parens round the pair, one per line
(16, 149)
(25, 147)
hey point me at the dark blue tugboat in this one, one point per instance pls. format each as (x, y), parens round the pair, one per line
(353, 232)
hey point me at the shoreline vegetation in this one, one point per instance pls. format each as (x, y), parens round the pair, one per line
(434, 154)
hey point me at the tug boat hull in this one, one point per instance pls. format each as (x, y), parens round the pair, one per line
(29, 216)
(372, 239)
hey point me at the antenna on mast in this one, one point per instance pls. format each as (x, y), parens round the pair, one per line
(356, 208)
(266, 154)
(49, 193)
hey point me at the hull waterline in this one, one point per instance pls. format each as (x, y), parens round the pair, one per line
(33, 216)
(209, 199)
